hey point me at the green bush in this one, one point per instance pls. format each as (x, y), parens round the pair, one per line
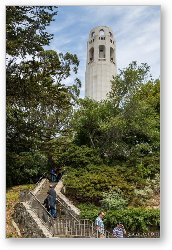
(88, 211)
(113, 200)
(89, 183)
(154, 183)
(77, 157)
(134, 219)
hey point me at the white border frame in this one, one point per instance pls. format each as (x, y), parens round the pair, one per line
(166, 137)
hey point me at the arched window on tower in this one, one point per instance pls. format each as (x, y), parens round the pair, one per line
(110, 33)
(93, 34)
(91, 55)
(101, 32)
(112, 55)
(102, 54)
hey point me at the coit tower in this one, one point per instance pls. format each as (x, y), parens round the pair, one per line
(101, 63)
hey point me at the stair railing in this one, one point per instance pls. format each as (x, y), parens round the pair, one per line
(42, 213)
(71, 224)
(75, 227)
(66, 224)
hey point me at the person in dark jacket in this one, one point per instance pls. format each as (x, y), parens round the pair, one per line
(52, 192)
(51, 205)
(53, 175)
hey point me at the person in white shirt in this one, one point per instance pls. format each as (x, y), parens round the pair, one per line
(100, 225)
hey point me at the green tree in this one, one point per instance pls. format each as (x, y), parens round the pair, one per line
(39, 104)
(26, 29)
(128, 82)
(124, 128)
(142, 115)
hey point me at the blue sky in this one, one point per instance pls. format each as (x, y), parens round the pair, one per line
(136, 30)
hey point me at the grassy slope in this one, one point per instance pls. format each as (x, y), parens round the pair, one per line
(12, 197)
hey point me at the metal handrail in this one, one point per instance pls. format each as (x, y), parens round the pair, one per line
(42, 215)
(90, 223)
(70, 227)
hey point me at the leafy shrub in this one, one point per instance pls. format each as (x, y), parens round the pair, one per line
(77, 157)
(113, 200)
(88, 211)
(88, 184)
(155, 183)
(151, 188)
(143, 195)
(134, 219)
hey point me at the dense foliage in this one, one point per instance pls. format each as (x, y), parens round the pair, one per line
(109, 187)
(113, 200)
(74, 156)
(88, 184)
(124, 133)
(38, 103)
(134, 219)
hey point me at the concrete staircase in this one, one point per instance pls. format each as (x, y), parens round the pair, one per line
(66, 225)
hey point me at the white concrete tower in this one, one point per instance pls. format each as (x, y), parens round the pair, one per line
(101, 63)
